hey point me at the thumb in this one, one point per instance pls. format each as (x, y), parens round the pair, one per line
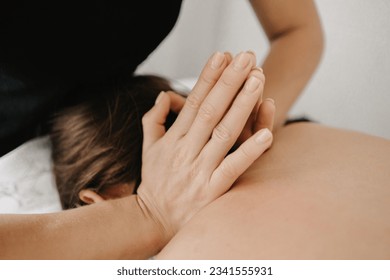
(153, 121)
(265, 115)
(177, 101)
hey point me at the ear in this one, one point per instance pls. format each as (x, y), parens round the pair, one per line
(89, 196)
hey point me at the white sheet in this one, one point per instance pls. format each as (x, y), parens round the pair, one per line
(26, 182)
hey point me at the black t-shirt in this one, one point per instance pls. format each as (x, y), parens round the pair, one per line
(48, 48)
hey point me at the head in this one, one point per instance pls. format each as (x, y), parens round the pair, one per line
(97, 144)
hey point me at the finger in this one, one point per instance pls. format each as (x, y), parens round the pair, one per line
(252, 121)
(177, 101)
(219, 100)
(266, 115)
(153, 121)
(229, 57)
(228, 130)
(207, 79)
(248, 128)
(237, 162)
(260, 100)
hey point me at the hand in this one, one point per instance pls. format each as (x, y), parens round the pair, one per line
(262, 116)
(186, 167)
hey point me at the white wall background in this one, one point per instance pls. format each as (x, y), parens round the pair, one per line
(351, 88)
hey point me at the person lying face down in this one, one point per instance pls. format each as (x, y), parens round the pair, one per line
(97, 145)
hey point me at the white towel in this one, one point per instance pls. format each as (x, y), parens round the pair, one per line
(27, 183)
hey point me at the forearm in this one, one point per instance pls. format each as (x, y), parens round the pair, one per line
(116, 229)
(292, 59)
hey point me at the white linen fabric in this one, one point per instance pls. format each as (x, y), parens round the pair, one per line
(27, 183)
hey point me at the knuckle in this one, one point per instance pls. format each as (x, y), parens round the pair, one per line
(245, 152)
(193, 100)
(228, 169)
(207, 112)
(221, 133)
(226, 81)
(209, 79)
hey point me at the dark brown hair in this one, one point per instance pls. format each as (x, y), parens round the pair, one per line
(98, 143)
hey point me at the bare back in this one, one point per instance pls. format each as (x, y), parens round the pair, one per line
(318, 193)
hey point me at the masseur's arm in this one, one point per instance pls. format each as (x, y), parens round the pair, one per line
(183, 170)
(296, 44)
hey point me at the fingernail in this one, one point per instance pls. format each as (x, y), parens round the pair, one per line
(159, 97)
(241, 61)
(217, 60)
(229, 55)
(270, 100)
(252, 84)
(251, 52)
(264, 136)
(258, 68)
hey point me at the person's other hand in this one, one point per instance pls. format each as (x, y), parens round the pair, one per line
(186, 167)
(262, 116)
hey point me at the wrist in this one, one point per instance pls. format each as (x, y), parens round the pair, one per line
(156, 219)
(144, 227)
